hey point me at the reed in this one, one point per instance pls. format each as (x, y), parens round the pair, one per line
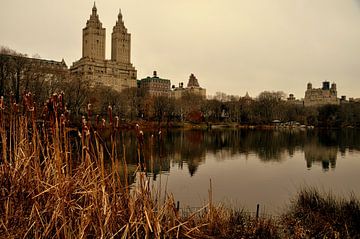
(52, 189)
(57, 183)
(321, 215)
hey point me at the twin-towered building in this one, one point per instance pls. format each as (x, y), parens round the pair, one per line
(117, 72)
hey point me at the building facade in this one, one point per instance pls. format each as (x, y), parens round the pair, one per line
(118, 72)
(155, 86)
(321, 96)
(47, 70)
(193, 87)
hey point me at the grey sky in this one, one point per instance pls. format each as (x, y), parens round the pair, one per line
(233, 46)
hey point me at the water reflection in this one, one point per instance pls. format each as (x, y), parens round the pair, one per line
(315, 152)
(246, 166)
(188, 148)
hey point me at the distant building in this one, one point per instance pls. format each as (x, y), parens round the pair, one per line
(155, 86)
(246, 99)
(291, 97)
(193, 87)
(321, 96)
(354, 100)
(343, 100)
(118, 72)
(292, 100)
(46, 69)
(177, 92)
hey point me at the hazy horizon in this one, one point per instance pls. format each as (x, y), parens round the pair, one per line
(231, 46)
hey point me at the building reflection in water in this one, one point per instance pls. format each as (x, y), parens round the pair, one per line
(315, 153)
(188, 148)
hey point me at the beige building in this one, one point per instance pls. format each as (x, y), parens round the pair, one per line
(193, 87)
(155, 86)
(321, 96)
(118, 72)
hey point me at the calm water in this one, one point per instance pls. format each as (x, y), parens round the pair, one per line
(247, 167)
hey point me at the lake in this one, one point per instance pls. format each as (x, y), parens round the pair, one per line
(248, 167)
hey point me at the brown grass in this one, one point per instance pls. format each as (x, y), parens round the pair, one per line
(317, 215)
(51, 190)
(54, 185)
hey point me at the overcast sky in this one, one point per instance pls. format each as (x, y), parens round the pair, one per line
(232, 46)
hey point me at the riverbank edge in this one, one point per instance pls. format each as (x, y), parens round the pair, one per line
(153, 125)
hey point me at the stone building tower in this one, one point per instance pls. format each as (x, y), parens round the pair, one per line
(120, 42)
(309, 86)
(193, 87)
(333, 86)
(321, 96)
(118, 72)
(94, 38)
(193, 82)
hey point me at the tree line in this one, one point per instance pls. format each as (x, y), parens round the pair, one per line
(18, 75)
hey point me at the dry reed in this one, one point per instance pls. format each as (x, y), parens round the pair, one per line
(49, 189)
(317, 215)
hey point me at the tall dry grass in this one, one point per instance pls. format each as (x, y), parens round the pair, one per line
(49, 189)
(56, 183)
(319, 215)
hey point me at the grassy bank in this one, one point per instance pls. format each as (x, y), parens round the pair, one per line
(55, 183)
(316, 215)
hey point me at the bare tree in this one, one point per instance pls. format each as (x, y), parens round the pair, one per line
(77, 91)
(11, 64)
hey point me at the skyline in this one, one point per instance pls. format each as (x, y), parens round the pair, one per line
(231, 46)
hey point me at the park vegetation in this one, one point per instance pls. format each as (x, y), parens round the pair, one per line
(17, 76)
(63, 182)
(60, 180)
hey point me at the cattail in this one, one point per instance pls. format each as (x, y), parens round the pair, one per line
(66, 114)
(61, 101)
(86, 130)
(89, 110)
(141, 137)
(116, 121)
(110, 114)
(54, 102)
(103, 123)
(15, 107)
(83, 121)
(30, 102)
(2, 104)
(62, 119)
(31, 109)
